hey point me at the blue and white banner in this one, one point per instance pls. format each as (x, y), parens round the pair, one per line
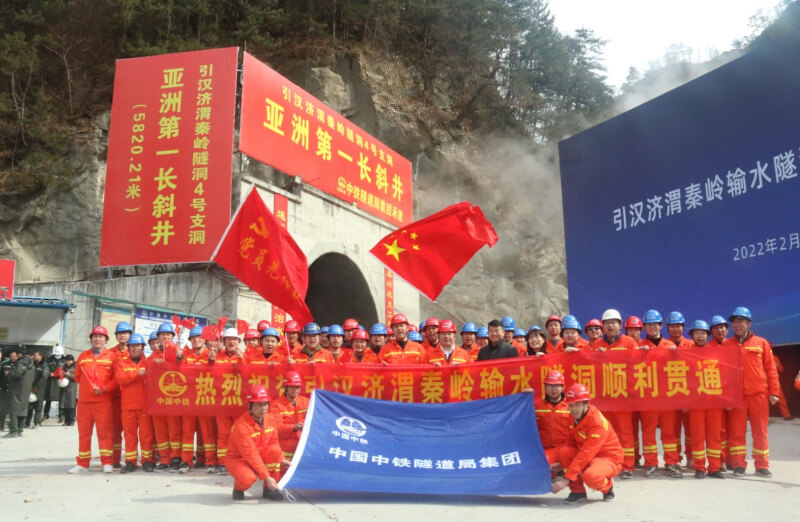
(485, 447)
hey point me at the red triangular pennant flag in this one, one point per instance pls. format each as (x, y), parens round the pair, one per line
(261, 254)
(429, 252)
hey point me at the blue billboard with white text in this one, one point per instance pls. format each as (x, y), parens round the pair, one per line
(691, 201)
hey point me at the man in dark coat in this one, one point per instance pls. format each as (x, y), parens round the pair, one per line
(497, 347)
(20, 382)
(40, 371)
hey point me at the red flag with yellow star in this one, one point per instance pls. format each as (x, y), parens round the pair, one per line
(261, 254)
(429, 252)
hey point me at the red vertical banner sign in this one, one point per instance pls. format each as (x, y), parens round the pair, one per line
(7, 278)
(280, 208)
(388, 286)
(284, 126)
(168, 183)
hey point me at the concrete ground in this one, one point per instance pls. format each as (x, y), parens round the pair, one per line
(35, 486)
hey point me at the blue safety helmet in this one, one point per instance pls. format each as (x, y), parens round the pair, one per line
(415, 336)
(718, 319)
(699, 325)
(122, 327)
(334, 329)
(136, 338)
(508, 323)
(483, 332)
(534, 328)
(360, 327)
(741, 311)
(422, 326)
(166, 328)
(153, 335)
(469, 328)
(324, 330)
(676, 318)
(378, 329)
(313, 329)
(195, 331)
(519, 332)
(570, 321)
(652, 316)
(271, 332)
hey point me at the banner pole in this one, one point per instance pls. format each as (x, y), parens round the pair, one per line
(449, 312)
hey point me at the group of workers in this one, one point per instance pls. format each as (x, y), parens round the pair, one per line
(583, 445)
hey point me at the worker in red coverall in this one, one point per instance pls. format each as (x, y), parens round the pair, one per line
(430, 333)
(228, 358)
(553, 327)
(552, 416)
(719, 334)
(202, 425)
(311, 352)
(94, 374)
(289, 411)
(269, 353)
(676, 323)
(592, 454)
(401, 350)
(160, 426)
(122, 332)
(129, 372)
(633, 329)
(535, 341)
(251, 344)
(705, 423)
(292, 341)
(760, 390)
(446, 351)
(571, 341)
(166, 337)
(594, 331)
(361, 353)
(613, 340)
(253, 449)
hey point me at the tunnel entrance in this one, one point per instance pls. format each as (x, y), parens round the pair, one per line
(337, 290)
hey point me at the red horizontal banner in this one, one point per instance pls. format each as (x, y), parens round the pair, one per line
(168, 185)
(618, 381)
(284, 126)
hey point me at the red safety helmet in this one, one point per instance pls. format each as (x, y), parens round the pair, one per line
(263, 325)
(432, 321)
(360, 334)
(350, 324)
(292, 327)
(293, 379)
(554, 377)
(446, 326)
(577, 393)
(251, 334)
(797, 383)
(99, 330)
(399, 319)
(552, 318)
(593, 322)
(633, 322)
(257, 394)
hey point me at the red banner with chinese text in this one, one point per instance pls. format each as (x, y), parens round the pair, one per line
(707, 378)
(7, 278)
(388, 285)
(284, 126)
(280, 207)
(168, 180)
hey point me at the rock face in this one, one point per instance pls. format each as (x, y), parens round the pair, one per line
(55, 236)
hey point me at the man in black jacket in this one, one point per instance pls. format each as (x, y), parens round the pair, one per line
(20, 382)
(497, 347)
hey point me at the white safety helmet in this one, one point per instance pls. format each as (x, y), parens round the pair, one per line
(32, 397)
(230, 332)
(58, 351)
(611, 314)
(63, 382)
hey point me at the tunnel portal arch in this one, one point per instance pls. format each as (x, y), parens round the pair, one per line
(337, 290)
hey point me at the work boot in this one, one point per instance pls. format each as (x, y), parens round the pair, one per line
(574, 498)
(673, 471)
(626, 474)
(698, 474)
(608, 497)
(184, 468)
(148, 467)
(162, 467)
(60, 419)
(74, 470)
(763, 472)
(174, 465)
(130, 467)
(238, 495)
(11, 435)
(716, 474)
(738, 472)
(199, 465)
(651, 471)
(223, 470)
(271, 494)
(108, 468)
(211, 469)
(117, 465)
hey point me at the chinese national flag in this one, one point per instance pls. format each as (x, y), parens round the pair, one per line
(261, 254)
(429, 252)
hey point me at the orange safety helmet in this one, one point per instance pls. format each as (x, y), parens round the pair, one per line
(554, 377)
(262, 325)
(99, 330)
(292, 327)
(633, 322)
(398, 319)
(292, 379)
(360, 334)
(553, 317)
(593, 322)
(446, 326)
(257, 394)
(577, 393)
(251, 334)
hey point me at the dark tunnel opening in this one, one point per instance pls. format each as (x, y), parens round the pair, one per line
(337, 290)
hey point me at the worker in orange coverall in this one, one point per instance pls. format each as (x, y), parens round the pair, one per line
(289, 412)
(96, 384)
(760, 391)
(253, 449)
(129, 372)
(592, 454)
(552, 416)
